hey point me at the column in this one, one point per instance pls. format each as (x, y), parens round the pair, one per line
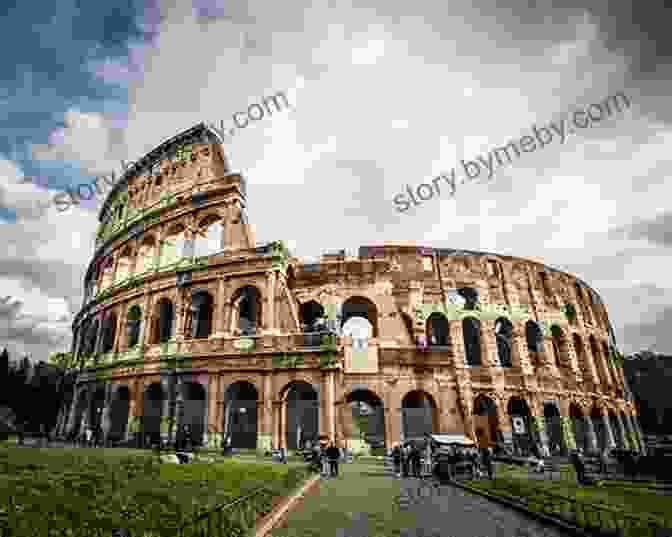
(329, 401)
(608, 433)
(590, 434)
(107, 410)
(539, 426)
(640, 434)
(265, 429)
(283, 424)
(276, 424)
(622, 431)
(269, 309)
(220, 309)
(632, 433)
(70, 423)
(214, 439)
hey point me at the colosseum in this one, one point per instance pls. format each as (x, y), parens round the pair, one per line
(186, 321)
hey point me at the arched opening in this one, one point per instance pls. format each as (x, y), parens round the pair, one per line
(470, 297)
(313, 322)
(134, 325)
(248, 305)
(146, 261)
(600, 364)
(165, 321)
(504, 338)
(201, 314)
(419, 415)
(153, 412)
(124, 265)
(172, 247)
(562, 360)
(240, 415)
(109, 331)
(535, 342)
(553, 427)
(96, 408)
(191, 414)
(471, 332)
(119, 414)
(368, 420)
(616, 430)
(581, 356)
(437, 330)
(578, 426)
(358, 306)
(520, 421)
(209, 238)
(598, 426)
(302, 414)
(485, 422)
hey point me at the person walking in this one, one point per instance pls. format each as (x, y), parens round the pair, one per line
(396, 459)
(486, 457)
(579, 466)
(333, 454)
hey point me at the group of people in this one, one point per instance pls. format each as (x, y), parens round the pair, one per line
(407, 460)
(325, 458)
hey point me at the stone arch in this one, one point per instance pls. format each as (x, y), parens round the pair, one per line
(437, 330)
(359, 306)
(581, 356)
(124, 264)
(598, 425)
(246, 305)
(145, 259)
(560, 348)
(201, 313)
(312, 315)
(153, 412)
(240, 414)
(534, 338)
(134, 325)
(209, 235)
(504, 338)
(577, 418)
(119, 413)
(302, 413)
(470, 296)
(471, 332)
(191, 413)
(173, 245)
(96, 407)
(367, 412)
(486, 421)
(553, 426)
(519, 412)
(600, 364)
(419, 414)
(164, 321)
(109, 331)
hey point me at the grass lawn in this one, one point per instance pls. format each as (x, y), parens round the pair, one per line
(360, 487)
(633, 501)
(45, 491)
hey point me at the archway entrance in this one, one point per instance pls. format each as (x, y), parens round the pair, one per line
(553, 427)
(578, 426)
(520, 424)
(303, 410)
(419, 415)
(119, 414)
(485, 421)
(368, 420)
(192, 413)
(240, 415)
(151, 422)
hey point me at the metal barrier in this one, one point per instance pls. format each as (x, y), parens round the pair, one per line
(213, 523)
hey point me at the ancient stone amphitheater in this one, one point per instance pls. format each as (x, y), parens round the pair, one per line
(186, 321)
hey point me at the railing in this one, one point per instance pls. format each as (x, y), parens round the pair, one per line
(216, 523)
(586, 515)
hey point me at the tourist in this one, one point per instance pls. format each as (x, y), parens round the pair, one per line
(486, 457)
(333, 455)
(396, 459)
(579, 466)
(89, 434)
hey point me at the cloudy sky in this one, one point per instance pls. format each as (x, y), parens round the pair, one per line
(383, 95)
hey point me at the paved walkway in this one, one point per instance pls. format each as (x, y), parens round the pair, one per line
(443, 511)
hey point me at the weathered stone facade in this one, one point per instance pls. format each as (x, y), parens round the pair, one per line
(185, 321)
